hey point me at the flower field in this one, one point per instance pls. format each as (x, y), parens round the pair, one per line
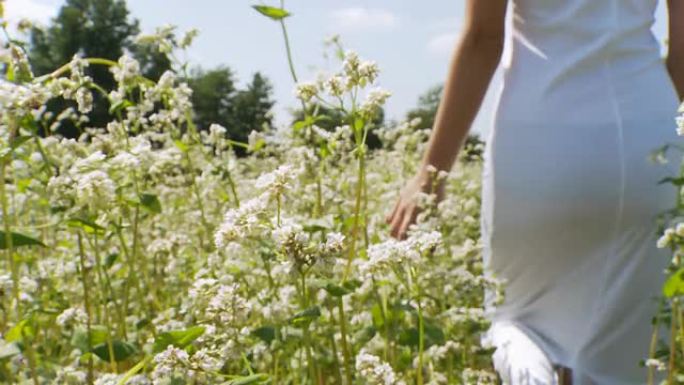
(147, 252)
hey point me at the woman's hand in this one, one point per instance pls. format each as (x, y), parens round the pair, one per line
(406, 208)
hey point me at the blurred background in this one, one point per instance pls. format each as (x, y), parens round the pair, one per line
(238, 64)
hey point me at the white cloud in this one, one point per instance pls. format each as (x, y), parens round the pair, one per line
(443, 43)
(363, 18)
(36, 10)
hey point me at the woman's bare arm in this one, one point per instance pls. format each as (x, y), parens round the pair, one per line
(675, 55)
(473, 62)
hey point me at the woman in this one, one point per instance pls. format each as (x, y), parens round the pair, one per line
(569, 198)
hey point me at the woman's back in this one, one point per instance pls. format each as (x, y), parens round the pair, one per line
(574, 59)
(569, 197)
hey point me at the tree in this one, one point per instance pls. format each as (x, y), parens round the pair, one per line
(212, 93)
(251, 107)
(428, 104)
(90, 28)
(216, 99)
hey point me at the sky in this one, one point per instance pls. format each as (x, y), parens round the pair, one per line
(412, 41)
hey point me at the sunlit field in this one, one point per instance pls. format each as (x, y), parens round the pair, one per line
(147, 251)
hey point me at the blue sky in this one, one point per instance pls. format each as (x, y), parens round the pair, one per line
(410, 40)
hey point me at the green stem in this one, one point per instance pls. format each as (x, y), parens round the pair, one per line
(31, 357)
(311, 364)
(345, 346)
(673, 338)
(67, 67)
(421, 342)
(232, 189)
(278, 214)
(9, 244)
(289, 51)
(86, 301)
(357, 209)
(103, 290)
(338, 368)
(134, 370)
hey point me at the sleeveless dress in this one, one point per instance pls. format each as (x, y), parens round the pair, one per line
(569, 195)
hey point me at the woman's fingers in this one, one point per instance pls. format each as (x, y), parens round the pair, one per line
(390, 216)
(409, 217)
(396, 222)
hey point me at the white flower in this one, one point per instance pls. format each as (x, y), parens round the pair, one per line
(655, 363)
(335, 85)
(374, 100)
(72, 316)
(126, 70)
(666, 239)
(334, 242)
(679, 229)
(375, 371)
(95, 189)
(238, 223)
(306, 91)
(125, 161)
(168, 362)
(277, 181)
(84, 98)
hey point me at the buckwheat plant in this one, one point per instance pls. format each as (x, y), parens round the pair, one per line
(146, 252)
(666, 357)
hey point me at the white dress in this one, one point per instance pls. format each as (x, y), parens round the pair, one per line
(569, 196)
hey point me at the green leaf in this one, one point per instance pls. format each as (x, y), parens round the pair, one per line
(98, 335)
(9, 74)
(319, 224)
(409, 337)
(86, 225)
(674, 285)
(122, 350)
(337, 290)
(18, 240)
(265, 333)
(19, 140)
(120, 106)
(674, 181)
(352, 284)
(8, 350)
(433, 334)
(177, 338)
(181, 146)
(151, 202)
(23, 329)
(253, 379)
(111, 259)
(364, 335)
(359, 123)
(305, 317)
(272, 12)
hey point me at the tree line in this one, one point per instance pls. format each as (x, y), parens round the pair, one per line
(106, 29)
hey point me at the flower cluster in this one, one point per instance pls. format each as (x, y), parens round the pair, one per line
(157, 243)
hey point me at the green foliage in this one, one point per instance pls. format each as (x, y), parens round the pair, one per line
(178, 338)
(329, 118)
(18, 240)
(272, 12)
(151, 202)
(216, 99)
(122, 350)
(674, 285)
(90, 28)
